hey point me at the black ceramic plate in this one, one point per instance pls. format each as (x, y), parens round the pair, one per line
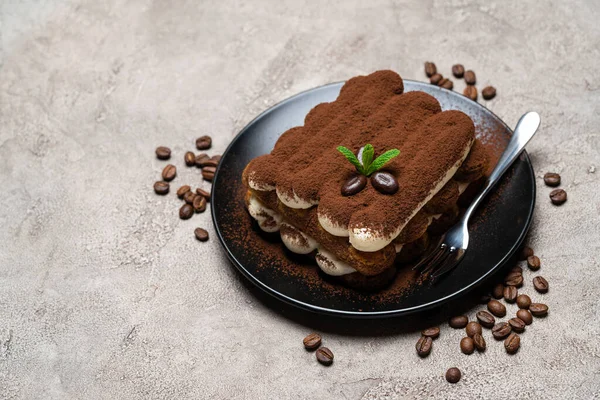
(497, 229)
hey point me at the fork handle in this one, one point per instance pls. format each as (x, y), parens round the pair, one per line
(526, 128)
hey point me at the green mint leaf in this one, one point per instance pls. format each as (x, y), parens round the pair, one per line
(382, 160)
(367, 156)
(352, 158)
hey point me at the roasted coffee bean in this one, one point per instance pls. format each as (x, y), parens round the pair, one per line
(435, 79)
(432, 332)
(517, 324)
(201, 159)
(538, 309)
(183, 190)
(498, 291)
(510, 294)
(458, 322)
(190, 159)
(514, 279)
(430, 69)
(516, 268)
(189, 197)
(470, 78)
(485, 298)
(471, 92)
(169, 173)
(325, 356)
(485, 319)
(525, 316)
(384, 182)
(216, 157)
(540, 284)
(208, 173)
(424, 345)
(552, 179)
(446, 83)
(201, 234)
(473, 328)
(312, 341)
(497, 308)
(534, 263)
(186, 211)
(523, 301)
(479, 342)
(488, 92)
(163, 153)
(354, 185)
(458, 70)
(203, 193)
(209, 163)
(558, 197)
(453, 375)
(199, 204)
(161, 187)
(512, 343)
(525, 253)
(501, 330)
(466, 345)
(203, 142)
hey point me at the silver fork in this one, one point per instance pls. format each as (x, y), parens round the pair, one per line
(455, 242)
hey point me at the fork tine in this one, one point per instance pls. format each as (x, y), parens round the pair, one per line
(440, 259)
(449, 266)
(437, 250)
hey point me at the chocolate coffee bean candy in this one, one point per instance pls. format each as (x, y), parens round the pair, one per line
(424, 345)
(486, 319)
(534, 263)
(453, 375)
(201, 234)
(525, 316)
(552, 179)
(203, 142)
(354, 185)
(501, 330)
(458, 70)
(190, 159)
(458, 322)
(525, 253)
(430, 69)
(498, 291)
(435, 79)
(512, 343)
(471, 92)
(324, 356)
(513, 279)
(208, 173)
(510, 294)
(186, 211)
(470, 78)
(203, 193)
(497, 308)
(485, 298)
(163, 153)
(183, 190)
(479, 342)
(473, 328)
(432, 332)
(199, 204)
(538, 309)
(517, 324)
(161, 188)
(189, 197)
(488, 92)
(169, 173)
(384, 182)
(540, 284)
(516, 268)
(201, 159)
(558, 197)
(446, 83)
(312, 341)
(523, 301)
(466, 345)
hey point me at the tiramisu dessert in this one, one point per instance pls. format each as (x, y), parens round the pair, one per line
(367, 179)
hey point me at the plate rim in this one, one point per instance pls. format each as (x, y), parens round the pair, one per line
(368, 314)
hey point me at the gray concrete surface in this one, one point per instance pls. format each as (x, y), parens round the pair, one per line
(104, 293)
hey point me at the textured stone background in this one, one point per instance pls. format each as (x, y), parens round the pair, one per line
(104, 293)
